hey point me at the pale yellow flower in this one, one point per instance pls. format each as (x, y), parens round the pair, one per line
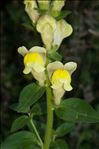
(63, 30)
(34, 61)
(46, 26)
(30, 6)
(60, 77)
(57, 5)
(44, 4)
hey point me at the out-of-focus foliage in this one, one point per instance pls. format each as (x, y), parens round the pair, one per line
(82, 46)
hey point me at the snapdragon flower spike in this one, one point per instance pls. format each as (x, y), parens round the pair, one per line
(60, 77)
(63, 30)
(46, 26)
(30, 6)
(34, 61)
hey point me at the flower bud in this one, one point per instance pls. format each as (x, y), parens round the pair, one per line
(44, 4)
(57, 6)
(30, 6)
(46, 26)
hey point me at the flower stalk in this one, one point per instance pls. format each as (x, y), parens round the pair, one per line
(48, 132)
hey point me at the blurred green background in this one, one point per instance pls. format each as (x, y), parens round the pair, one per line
(82, 46)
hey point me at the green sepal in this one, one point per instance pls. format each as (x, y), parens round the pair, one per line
(63, 14)
(41, 11)
(60, 14)
(54, 55)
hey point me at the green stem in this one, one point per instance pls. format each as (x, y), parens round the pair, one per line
(36, 132)
(48, 133)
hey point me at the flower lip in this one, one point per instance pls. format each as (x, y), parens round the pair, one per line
(69, 66)
(53, 66)
(38, 49)
(60, 75)
(22, 50)
(63, 30)
(33, 57)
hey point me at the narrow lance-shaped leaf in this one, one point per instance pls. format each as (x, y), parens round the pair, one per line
(76, 110)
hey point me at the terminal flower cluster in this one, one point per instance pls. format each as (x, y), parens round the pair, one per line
(52, 32)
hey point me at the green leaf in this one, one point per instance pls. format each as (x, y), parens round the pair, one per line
(19, 123)
(59, 144)
(28, 96)
(39, 108)
(84, 136)
(64, 129)
(76, 110)
(15, 107)
(20, 140)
